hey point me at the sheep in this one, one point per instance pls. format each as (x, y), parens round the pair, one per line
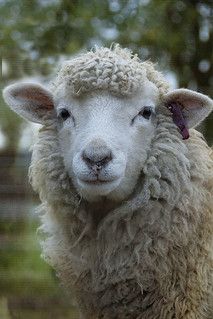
(126, 187)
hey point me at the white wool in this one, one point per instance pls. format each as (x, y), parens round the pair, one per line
(118, 71)
(155, 231)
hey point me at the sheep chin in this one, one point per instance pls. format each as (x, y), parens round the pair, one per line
(91, 191)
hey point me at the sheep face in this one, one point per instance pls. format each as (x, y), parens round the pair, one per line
(104, 140)
(102, 111)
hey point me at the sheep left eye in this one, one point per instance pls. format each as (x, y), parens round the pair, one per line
(146, 112)
(64, 114)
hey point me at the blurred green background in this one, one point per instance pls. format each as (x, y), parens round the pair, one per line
(35, 36)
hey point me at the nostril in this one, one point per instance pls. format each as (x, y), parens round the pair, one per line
(105, 160)
(95, 160)
(86, 158)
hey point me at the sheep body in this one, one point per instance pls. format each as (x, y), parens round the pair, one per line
(150, 255)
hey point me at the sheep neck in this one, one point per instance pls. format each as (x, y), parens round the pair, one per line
(100, 209)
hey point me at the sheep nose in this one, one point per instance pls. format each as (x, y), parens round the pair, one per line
(96, 156)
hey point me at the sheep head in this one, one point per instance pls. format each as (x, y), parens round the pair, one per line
(105, 106)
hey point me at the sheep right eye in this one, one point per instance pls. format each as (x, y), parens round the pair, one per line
(64, 114)
(146, 112)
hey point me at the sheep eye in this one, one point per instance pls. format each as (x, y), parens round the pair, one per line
(146, 112)
(64, 114)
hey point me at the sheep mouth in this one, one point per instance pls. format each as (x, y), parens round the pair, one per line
(97, 184)
(97, 181)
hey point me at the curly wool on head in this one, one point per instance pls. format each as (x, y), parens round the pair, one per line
(116, 70)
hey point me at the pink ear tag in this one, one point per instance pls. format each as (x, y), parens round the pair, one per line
(178, 119)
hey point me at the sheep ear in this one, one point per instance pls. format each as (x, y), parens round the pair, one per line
(195, 106)
(31, 101)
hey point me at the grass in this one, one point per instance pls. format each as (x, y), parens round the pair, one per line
(28, 286)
